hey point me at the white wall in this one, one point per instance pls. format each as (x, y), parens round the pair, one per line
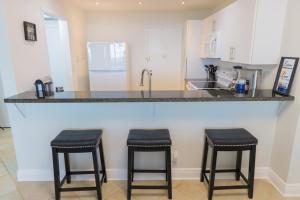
(57, 35)
(30, 59)
(285, 157)
(135, 28)
(4, 121)
(6, 71)
(77, 29)
(38, 64)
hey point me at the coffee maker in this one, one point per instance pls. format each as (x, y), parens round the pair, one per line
(44, 87)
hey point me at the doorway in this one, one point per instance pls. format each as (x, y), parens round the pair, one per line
(58, 42)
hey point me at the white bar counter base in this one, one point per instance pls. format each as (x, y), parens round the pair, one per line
(34, 125)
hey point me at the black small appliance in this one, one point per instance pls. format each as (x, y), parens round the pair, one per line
(44, 88)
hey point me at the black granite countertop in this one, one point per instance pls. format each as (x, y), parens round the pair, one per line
(145, 96)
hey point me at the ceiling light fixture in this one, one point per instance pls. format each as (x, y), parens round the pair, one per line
(97, 3)
(140, 3)
(182, 2)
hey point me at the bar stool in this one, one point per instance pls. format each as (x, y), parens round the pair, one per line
(78, 141)
(158, 140)
(238, 140)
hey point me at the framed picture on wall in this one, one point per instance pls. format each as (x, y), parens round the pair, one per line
(30, 31)
(285, 75)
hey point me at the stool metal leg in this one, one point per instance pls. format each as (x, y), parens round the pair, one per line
(97, 176)
(129, 178)
(204, 159)
(67, 167)
(238, 165)
(251, 171)
(102, 161)
(212, 174)
(169, 172)
(56, 174)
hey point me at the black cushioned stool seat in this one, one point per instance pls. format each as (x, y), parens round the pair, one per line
(238, 140)
(78, 141)
(149, 140)
(77, 138)
(140, 137)
(230, 137)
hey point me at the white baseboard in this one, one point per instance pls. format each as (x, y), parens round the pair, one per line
(287, 190)
(121, 174)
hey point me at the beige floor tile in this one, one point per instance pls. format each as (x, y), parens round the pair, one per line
(3, 170)
(35, 190)
(11, 196)
(7, 185)
(115, 190)
(11, 167)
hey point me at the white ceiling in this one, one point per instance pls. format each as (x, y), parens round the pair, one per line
(150, 5)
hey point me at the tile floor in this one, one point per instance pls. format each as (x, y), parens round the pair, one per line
(10, 189)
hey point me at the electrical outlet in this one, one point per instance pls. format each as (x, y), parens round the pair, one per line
(175, 156)
(232, 53)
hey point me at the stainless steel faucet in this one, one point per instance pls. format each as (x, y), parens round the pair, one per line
(149, 72)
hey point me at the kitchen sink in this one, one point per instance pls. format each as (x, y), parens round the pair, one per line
(219, 92)
(205, 85)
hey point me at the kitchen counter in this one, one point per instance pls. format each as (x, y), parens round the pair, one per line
(35, 122)
(145, 96)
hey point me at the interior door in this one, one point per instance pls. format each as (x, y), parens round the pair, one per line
(164, 51)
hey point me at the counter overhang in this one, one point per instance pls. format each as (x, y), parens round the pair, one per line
(146, 96)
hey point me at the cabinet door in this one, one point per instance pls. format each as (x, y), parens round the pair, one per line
(236, 24)
(209, 26)
(193, 37)
(204, 38)
(268, 31)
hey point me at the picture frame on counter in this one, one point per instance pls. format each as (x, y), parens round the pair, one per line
(30, 31)
(285, 75)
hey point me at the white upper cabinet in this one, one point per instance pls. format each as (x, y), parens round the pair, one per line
(210, 38)
(249, 32)
(193, 32)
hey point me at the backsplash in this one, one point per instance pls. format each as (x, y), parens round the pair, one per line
(266, 80)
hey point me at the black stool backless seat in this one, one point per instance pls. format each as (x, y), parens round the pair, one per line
(238, 140)
(78, 141)
(158, 140)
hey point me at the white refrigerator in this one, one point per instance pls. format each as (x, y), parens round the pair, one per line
(108, 66)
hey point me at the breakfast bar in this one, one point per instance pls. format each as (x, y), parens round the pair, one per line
(35, 122)
(146, 96)
(184, 99)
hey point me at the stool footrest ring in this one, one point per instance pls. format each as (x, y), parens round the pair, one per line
(150, 187)
(231, 187)
(83, 172)
(149, 171)
(226, 171)
(77, 189)
(222, 171)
